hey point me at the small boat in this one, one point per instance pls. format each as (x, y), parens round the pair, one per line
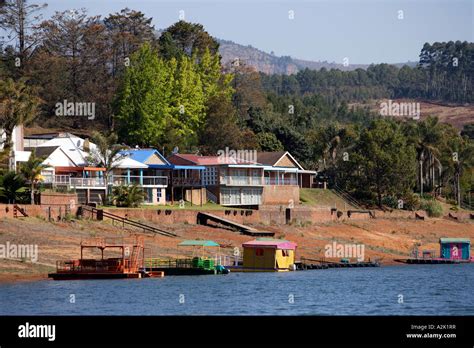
(128, 265)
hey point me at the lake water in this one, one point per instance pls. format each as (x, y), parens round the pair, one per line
(422, 289)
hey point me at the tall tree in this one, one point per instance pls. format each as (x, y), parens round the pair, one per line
(382, 161)
(142, 107)
(19, 19)
(18, 106)
(184, 38)
(127, 31)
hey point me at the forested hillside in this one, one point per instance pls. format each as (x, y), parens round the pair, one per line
(175, 91)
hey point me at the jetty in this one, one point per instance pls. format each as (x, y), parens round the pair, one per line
(204, 218)
(197, 264)
(452, 251)
(309, 264)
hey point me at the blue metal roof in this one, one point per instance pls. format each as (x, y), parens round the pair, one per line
(141, 155)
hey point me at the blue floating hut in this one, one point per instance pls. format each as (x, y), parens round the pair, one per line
(455, 248)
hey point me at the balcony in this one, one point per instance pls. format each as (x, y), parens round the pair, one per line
(117, 180)
(66, 180)
(186, 182)
(241, 180)
(280, 181)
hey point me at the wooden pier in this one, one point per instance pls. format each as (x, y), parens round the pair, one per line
(309, 264)
(430, 261)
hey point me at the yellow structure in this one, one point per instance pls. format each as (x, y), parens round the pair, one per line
(269, 255)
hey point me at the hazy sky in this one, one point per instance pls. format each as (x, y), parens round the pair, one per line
(365, 31)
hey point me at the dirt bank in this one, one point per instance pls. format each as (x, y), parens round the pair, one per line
(384, 239)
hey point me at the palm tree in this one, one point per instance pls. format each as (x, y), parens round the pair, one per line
(18, 105)
(12, 185)
(31, 171)
(106, 154)
(429, 134)
(128, 196)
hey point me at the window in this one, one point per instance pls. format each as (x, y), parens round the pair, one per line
(259, 252)
(285, 252)
(158, 195)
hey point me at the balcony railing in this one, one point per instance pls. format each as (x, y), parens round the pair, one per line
(280, 181)
(66, 180)
(242, 180)
(186, 182)
(87, 182)
(117, 180)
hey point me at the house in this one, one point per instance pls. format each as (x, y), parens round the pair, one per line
(68, 158)
(455, 248)
(69, 167)
(271, 178)
(281, 168)
(227, 180)
(152, 173)
(268, 255)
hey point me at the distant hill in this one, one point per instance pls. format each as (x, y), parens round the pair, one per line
(271, 64)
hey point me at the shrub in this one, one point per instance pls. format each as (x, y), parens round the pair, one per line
(433, 208)
(411, 202)
(390, 201)
(128, 196)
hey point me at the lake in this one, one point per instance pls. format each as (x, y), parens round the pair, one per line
(390, 290)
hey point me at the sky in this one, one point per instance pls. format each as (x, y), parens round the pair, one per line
(360, 31)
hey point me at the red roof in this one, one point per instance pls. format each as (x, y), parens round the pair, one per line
(204, 160)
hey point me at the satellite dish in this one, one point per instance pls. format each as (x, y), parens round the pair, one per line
(175, 150)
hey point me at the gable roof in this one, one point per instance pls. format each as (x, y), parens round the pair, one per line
(72, 146)
(43, 151)
(272, 158)
(143, 155)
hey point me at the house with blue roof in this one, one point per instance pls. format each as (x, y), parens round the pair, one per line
(183, 182)
(152, 176)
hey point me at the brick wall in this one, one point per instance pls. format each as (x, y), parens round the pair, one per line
(273, 194)
(59, 199)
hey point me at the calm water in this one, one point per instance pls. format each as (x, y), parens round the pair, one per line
(426, 290)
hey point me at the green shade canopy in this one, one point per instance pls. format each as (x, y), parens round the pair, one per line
(207, 243)
(455, 240)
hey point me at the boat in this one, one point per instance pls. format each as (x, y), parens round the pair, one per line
(127, 264)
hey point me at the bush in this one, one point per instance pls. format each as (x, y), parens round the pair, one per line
(433, 208)
(411, 202)
(128, 196)
(390, 201)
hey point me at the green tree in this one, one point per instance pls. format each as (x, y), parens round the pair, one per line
(143, 104)
(31, 171)
(382, 161)
(18, 106)
(12, 186)
(128, 196)
(184, 38)
(269, 142)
